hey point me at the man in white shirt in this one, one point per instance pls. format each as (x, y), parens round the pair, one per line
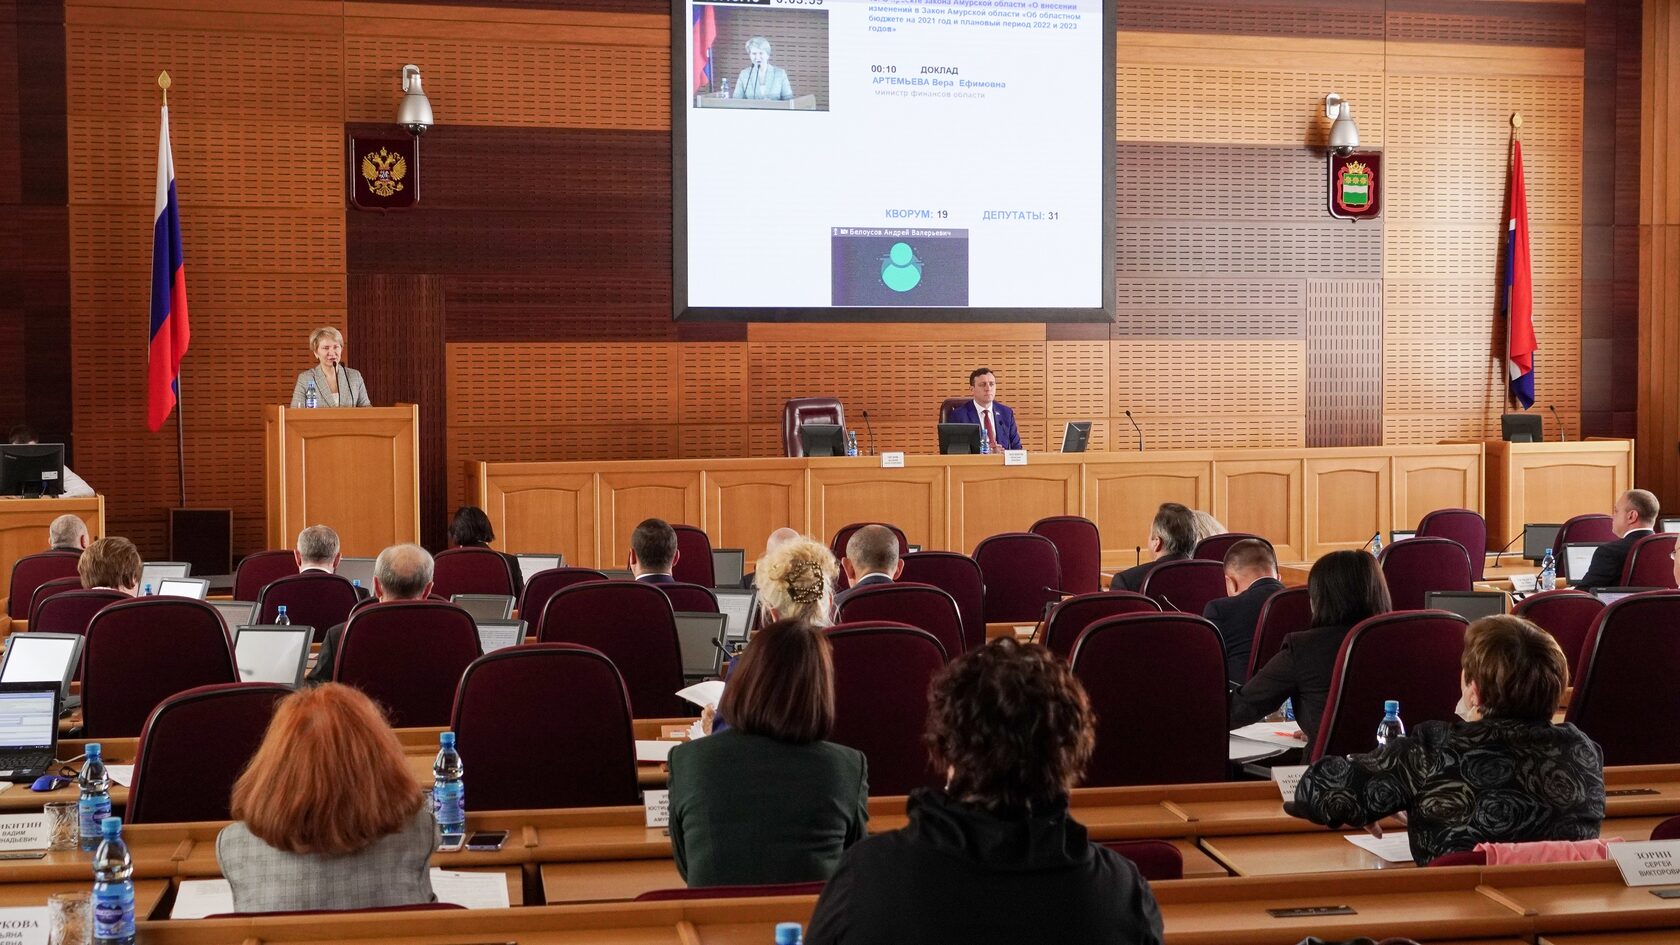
(75, 487)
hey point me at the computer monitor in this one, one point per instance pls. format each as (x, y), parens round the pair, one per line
(42, 657)
(32, 469)
(1577, 558)
(1668, 525)
(959, 439)
(272, 654)
(1521, 428)
(356, 569)
(28, 728)
(1076, 436)
(236, 613)
(699, 635)
(1471, 605)
(1401, 535)
(153, 572)
(729, 565)
(485, 606)
(1609, 595)
(196, 588)
(532, 565)
(618, 574)
(741, 607)
(496, 635)
(915, 549)
(822, 439)
(1538, 539)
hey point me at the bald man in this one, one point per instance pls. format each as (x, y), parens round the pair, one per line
(68, 533)
(1632, 517)
(871, 559)
(777, 539)
(401, 572)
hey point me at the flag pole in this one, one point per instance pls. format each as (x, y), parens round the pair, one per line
(164, 82)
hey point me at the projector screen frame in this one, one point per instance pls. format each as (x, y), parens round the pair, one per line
(681, 311)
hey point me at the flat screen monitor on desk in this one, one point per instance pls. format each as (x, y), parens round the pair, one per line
(1401, 535)
(1609, 595)
(1076, 436)
(485, 606)
(699, 636)
(272, 654)
(32, 469)
(496, 635)
(1471, 605)
(1577, 559)
(236, 613)
(740, 606)
(532, 565)
(822, 439)
(357, 569)
(196, 588)
(1669, 525)
(1522, 428)
(153, 572)
(1538, 539)
(618, 574)
(959, 439)
(728, 566)
(42, 657)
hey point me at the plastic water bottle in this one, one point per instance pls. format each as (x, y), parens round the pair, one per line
(449, 791)
(113, 890)
(851, 443)
(95, 803)
(311, 398)
(1376, 544)
(1391, 726)
(357, 584)
(1289, 709)
(789, 933)
(723, 89)
(282, 619)
(146, 591)
(1547, 581)
(985, 441)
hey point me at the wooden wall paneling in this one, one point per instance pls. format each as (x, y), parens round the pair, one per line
(1360, 19)
(1205, 394)
(743, 506)
(1344, 351)
(915, 498)
(1121, 498)
(1436, 478)
(538, 511)
(1348, 499)
(1263, 496)
(1077, 388)
(988, 498)
(629, 494)
(1659, 252)
(1552, 482)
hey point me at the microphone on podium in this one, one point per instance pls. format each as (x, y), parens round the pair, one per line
(1138, 429)
(871, 428)
(1563, 435)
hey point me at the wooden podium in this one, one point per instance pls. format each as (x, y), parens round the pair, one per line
(357, 470)
(1550, 482)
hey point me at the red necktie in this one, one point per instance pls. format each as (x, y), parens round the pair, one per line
(991, 434)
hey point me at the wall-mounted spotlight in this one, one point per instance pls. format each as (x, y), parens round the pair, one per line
(1344, 134)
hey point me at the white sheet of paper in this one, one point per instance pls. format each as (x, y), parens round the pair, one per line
(1014, 457)
(23, 926)
(695, 731)
(1286, 777)
(1394, 847)
(198, 898)
(1247, 749)
(122, 774)
(892, 460)
(703, 694)
(1273, 733)
(650, 751)
(656, 807)
(22, 832)
(1648, 862)
(475, 890)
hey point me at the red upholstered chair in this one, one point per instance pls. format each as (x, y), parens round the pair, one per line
(545, 584)
(632, 624)
(1156, 860)
(1159, 680)
(32, 571)
(1213, 547)
(72, 611)
(259, 569)
(1648, 563)
(1186, 585)
(1283, 613)
(48, 589)
(1080, 547)
(1568, 616)
(694, 557)
(691, 598)
(142, 651)
(175, 779)
(922, 606)
(1667, 830)
(949, 404)
(802, 410)
(837, 546)
(1069, 618)
(1461, 858)
(959, 576)
(881, 675)
(732, 892)
(1023, 574)
(408, 656)
(1416, 566)
(312, 599)
(471, 571)
(1411, 656)
(587, 746)
(1624, 696)
(1463, 526)
(1581, 528)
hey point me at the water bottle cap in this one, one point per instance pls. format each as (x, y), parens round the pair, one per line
(446, 739)
(356, 582)
(1392, 707)
(788, 933)
(111, 827)
(93, 749)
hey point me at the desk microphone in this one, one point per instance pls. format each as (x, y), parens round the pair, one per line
(1057, 591)
(1138, 429)
(868, 426)
(1563, 435)
(1137, 555)
(1507, 546)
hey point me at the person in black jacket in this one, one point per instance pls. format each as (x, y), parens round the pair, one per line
(1632, 517)
(1345, 587)
(995, 856)
(1172, 536)
(1251, 576)
(470, 528)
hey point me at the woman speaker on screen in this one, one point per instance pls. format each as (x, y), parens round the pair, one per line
(761, 80)
(329, 383)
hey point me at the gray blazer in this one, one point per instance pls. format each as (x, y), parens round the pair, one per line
(394, 870)
(351, 391)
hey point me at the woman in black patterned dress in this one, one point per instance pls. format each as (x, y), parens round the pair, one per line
(1504, 775)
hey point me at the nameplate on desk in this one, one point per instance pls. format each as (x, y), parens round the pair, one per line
(1309, 912)
(892, 460)
(23, 926)
(1286, 777)
(657, 806)
(1648, 862)
(23, 832)
(1014, 457)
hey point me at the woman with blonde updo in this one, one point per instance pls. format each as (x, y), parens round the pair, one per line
(796, 582)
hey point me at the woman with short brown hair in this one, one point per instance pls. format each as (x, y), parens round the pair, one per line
(328, 815)
(112, 563)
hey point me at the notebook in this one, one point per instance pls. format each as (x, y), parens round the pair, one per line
(196, 588)
(496, 635)
(28, 729)
(153, 572)
(272, 654)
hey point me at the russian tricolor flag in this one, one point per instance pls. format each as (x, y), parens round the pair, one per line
(169, 293)
(1520, 344)
(705, 33)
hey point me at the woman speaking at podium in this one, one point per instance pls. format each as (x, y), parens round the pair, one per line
(333, 384)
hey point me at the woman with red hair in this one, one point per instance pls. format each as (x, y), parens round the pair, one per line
(328, 814)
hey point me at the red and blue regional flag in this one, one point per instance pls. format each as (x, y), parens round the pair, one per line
(1520, 344)
(705, 33)
(169, 332)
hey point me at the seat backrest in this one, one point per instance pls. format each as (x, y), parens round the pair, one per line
(691, 598)
(471, 571)
(837, 546)
(140, 652)
(48, 589)
(1595, 527)
(1186, 585)
(881, 676)
(408, 656)
(578, 751)
(1283, 613)
(1632, 654)
(1411, 656)
(1079, 545)
(1649, 563)
(1156, 860)
(1162, 727)
(1069, 618)
(30, 572)
(72, 611)
(694, 557)
(949, 404)
(1416, 566)
(922, 606)
(312, 599)
(259, 569)
(1213, 547)
(633, 624)
(1023, 574)
(1464, 526)
(802, 410)
(545, 584)
(175, 779)
(1667, 830)
(1568, 616)
(959, 576)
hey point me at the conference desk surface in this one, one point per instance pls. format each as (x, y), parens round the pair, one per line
(147, 892)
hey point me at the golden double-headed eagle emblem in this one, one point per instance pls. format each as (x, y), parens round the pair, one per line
(384, 170)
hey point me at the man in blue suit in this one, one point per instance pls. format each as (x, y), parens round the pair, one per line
(653, 552)
(994, 418)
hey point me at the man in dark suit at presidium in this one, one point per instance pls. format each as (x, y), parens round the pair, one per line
(997, 420)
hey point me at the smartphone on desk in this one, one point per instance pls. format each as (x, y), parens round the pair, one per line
(487, 841)
(451, 842)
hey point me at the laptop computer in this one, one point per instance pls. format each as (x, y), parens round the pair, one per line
(356, 569)
(485, 606)
(496, 635)
(532, 565)
(272, 654)
(1577, 558)
(741, 607)
(28, 729)
(236, 613)
(1401, 535)
(1537, 540)
(43, 657)
(699, 636)
(1609, 595)
(196, 588)
(1668, 525)
(1471, 605)
(153, 572)
(729, 565)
